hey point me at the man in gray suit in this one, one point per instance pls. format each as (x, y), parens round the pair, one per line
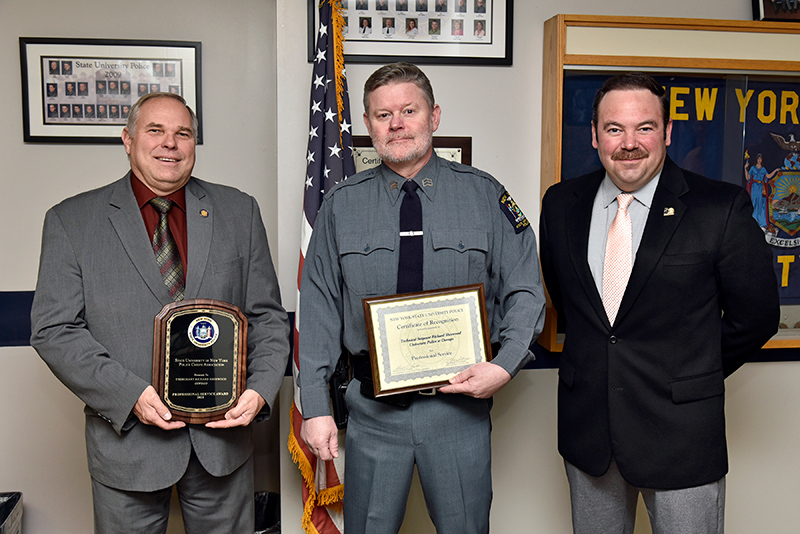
(98, 292)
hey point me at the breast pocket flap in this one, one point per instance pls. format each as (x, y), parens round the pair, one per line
(460, 241)
(366, 243)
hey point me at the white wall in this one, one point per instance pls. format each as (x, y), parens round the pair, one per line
(254, 56)
(42, 449)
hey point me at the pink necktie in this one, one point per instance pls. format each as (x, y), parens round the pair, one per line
(618, 260)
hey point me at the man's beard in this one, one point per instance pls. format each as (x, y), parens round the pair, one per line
(419, 150)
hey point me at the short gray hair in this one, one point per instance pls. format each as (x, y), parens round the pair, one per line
(133, 116)
(398, 73)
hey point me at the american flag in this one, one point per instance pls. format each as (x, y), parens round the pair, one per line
(329, 160)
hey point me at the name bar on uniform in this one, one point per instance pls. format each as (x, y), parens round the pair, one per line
(411, 234)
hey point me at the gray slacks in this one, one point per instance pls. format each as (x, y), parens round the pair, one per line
(209, 504)
(446, 436)
(607, 505)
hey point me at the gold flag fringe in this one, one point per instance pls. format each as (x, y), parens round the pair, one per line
(338, 56)
(328, 497)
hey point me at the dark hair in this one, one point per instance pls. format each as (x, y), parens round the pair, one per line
(398, 73)
(134, 112)
(632, 81)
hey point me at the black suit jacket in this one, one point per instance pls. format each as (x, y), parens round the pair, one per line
(702, 298)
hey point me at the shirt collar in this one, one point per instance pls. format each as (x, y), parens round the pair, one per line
(426, 179)
(644, 195)
(144, 195)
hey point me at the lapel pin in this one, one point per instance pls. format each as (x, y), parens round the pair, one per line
(669, 212)
(393, 185)
(427, 182)
(203, 213)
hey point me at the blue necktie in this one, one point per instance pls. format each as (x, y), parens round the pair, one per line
(409, 268)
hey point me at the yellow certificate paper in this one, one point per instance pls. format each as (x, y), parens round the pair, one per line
(421, 340)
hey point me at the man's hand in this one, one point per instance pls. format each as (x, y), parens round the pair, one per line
(481, 381)
(246, 409)
(321, 436)
(151, 411)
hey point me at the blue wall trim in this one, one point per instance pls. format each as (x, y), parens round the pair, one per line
(15, 331)
(15, 318)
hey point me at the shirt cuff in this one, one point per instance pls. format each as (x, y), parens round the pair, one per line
(315, 401)
(512, 357)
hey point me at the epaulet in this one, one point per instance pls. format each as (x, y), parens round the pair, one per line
(353, 180)
(461, 168)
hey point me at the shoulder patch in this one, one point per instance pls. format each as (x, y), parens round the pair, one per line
(513, 213)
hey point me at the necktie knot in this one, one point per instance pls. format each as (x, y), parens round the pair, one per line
(410, 186)
(162, 205)
(624, 200)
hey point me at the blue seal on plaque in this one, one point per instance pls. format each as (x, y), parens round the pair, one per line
(203, 332)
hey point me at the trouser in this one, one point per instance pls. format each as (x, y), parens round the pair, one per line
(607, 505)
(446, 436)
(209, 504)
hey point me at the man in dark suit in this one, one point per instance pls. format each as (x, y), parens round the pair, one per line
(682, 296)
(98, 292)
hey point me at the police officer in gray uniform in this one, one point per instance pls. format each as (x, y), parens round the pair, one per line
(472, 232)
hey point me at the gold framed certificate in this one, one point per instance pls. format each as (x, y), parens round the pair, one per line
(421, 340)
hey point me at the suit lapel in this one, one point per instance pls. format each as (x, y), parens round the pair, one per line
(126, 219)
(665, 215)
(578, 239)
(199, 225)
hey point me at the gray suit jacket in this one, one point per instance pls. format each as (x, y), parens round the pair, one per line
(99, 289)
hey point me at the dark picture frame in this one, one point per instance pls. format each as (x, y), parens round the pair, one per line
(777, 10)
(496, 49)
(128, 62)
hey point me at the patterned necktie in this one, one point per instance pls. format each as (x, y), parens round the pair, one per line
(166, 251)
(618, 261)
(409, 267)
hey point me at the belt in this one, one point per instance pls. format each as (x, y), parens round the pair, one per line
(362, 371)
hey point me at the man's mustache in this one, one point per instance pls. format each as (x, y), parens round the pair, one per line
(637, 153)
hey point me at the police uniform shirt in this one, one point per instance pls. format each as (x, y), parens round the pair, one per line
(473, 233)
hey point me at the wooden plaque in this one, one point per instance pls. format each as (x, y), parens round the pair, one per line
(199, 358)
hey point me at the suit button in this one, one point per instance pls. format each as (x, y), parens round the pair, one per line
(612, 339)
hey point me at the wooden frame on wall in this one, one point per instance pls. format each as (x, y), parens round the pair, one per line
(663, 45)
